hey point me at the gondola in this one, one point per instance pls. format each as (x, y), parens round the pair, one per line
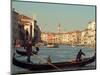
(46, 66)
(24, 53)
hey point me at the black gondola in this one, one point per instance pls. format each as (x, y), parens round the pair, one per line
(46, 66)
(24, 53)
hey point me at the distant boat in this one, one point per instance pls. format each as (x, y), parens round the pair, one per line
(52, 46)
(73, 46)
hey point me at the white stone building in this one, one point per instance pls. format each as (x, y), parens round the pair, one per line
(89, 34)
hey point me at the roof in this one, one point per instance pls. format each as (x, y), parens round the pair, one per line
(24, 17)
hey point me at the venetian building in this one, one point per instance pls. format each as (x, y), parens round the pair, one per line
(27, 22)
(15, 27)
(44, 37)
(91, 25)
(37, 33)
(84, 37)
(74, 37)
(92, 33)
(88, 35)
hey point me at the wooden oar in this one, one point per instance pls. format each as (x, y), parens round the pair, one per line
(42, 59)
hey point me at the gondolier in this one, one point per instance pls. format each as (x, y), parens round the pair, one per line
(29, 50)
(79, 55)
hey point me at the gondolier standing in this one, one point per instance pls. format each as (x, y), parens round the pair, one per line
(29, 50)
(79, 55)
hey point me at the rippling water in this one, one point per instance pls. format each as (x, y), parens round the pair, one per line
(63, 53)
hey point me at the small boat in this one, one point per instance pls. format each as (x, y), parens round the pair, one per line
(46, 66)
(24, 53)
(52, 46)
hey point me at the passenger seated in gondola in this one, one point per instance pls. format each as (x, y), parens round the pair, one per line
(79, 55)
(49, 59)
(37, 49)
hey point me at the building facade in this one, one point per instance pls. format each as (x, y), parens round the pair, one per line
(25, 28)
(88, 36)
(61, 38)
(28, 24)
(15, 27)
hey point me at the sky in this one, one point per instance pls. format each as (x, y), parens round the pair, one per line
(49, 16)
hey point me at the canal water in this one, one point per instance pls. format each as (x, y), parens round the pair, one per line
(60, 54)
